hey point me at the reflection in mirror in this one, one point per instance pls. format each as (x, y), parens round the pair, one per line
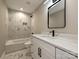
(57, 15)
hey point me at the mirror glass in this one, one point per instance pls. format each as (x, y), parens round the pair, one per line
(57, 14)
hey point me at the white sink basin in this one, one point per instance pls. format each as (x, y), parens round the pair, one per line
(61, 37)
(50, 36)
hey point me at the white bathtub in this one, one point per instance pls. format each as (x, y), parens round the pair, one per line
(17, 41)
(17, 44)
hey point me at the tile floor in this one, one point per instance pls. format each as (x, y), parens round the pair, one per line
(22, 54)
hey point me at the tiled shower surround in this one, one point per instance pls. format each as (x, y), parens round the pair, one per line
(19, 25)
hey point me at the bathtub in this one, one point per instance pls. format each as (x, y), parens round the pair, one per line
(17, 44)
(17, 41)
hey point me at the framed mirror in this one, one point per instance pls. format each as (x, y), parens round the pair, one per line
(57, 14)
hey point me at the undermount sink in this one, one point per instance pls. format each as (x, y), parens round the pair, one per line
(59, 36)
(50, 36)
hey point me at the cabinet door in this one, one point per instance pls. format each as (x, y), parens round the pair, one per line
(46, 54)
(47, 51)
(64, 55)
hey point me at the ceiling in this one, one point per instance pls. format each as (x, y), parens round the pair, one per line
(28, 6)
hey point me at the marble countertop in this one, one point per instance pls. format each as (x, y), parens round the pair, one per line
(66, 42)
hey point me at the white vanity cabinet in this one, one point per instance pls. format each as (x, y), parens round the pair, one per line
(60, 54)
(42, 50)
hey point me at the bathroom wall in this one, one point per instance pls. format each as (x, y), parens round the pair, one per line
(39, 19)
(19, 25)
(3, 26)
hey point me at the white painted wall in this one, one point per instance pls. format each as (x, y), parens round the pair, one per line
(3, 26)
(39, 20)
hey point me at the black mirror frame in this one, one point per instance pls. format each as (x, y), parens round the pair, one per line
(64, 16)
